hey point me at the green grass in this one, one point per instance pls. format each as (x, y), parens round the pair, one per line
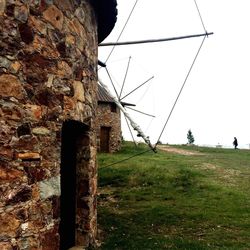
(172, 201)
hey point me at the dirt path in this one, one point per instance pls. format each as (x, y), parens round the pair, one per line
(178, 150)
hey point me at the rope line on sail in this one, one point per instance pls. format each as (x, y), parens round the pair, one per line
(110, 78)
(182, 87)
(130, 14)
(132, 91)
(141, 112)
(126, 159)
(197, 7)
(144, 94)
(125, 77)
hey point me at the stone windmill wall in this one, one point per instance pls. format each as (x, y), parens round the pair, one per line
(48, 62)
(108, 123)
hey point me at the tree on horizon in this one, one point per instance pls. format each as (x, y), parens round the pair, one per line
(190, 137)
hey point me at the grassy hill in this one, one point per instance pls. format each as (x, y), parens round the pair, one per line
(173, 200)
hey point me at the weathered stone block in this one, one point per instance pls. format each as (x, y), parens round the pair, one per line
(50, 239)
(15, 67)
(76, 27)
(79, 13)
(55, 114)
(48, 98)
(78, 91)
(44, 47)
(70, 40)
(69, 105)
(6, 133)
(51, 154)
(65, 5)
(62, 86)
(76, 248)
(28, 243)
(41, 131)
(11, 86)
(50, 187)
(4, 62)
(25, 142)
(5, 246)
(11, 111)
(29, 156)
(38, 25)
(49, 83)
(8, 175)
(9, 225)
(21, 13)
(36, 174)
(2, 6)
(54, 16)
(6, 152)
(64, 70)
(34, 112)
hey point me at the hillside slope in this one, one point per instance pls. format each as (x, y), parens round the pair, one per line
(170, 200)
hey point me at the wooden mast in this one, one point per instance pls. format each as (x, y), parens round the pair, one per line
(155, 40)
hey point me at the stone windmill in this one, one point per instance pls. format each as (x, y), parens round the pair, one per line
(48, 83)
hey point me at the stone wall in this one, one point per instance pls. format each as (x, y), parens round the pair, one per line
(48, 55)
(106, 118)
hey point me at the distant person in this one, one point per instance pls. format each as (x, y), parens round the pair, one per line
(235, 143)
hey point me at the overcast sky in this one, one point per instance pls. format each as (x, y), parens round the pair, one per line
(215, 101)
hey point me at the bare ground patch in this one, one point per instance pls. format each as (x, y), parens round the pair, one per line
(178, 150)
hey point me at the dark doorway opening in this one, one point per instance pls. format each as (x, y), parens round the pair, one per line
(104, 139)
(72, 132)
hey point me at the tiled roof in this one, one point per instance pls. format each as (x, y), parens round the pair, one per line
(103, 95)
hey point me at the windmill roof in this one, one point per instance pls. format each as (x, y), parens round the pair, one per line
(104, 96)
(106, 11)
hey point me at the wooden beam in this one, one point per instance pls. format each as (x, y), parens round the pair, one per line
(154, 40)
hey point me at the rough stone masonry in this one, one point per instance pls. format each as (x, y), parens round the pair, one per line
(48, 62)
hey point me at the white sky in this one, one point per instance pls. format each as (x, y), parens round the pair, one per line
(215, 101)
